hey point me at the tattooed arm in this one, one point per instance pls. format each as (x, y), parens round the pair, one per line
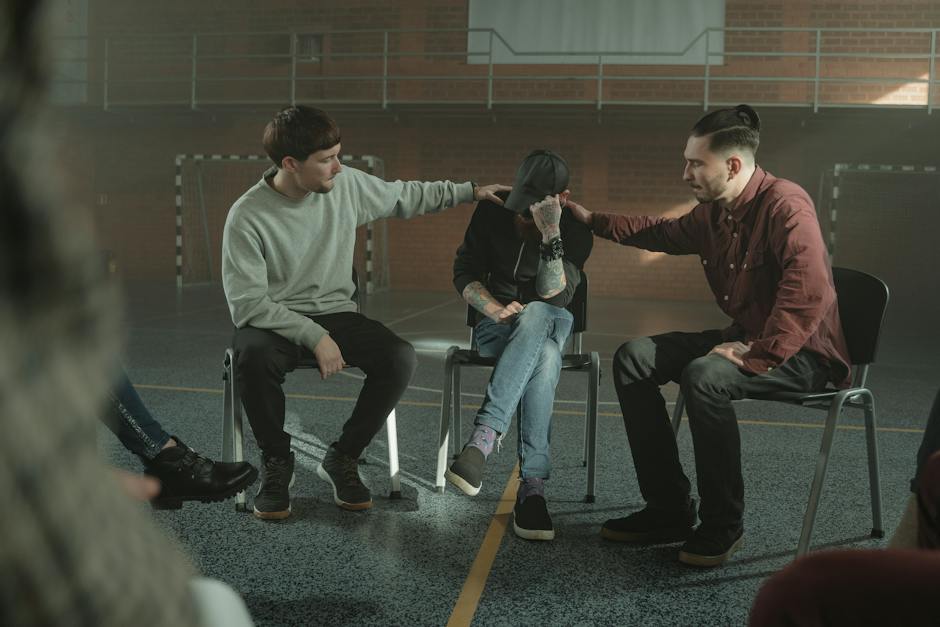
(471, 266)
(550, 279)
(480, 299)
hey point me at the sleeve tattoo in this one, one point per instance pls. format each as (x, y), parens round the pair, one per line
(550, 279)
(480, 299)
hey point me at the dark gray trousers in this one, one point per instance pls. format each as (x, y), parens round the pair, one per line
(709, 384)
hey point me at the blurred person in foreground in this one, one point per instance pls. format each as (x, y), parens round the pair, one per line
(75, 549)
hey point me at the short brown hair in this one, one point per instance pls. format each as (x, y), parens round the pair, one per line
(298, 132)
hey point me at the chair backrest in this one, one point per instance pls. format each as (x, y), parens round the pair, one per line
(863, 299)
(355, 294)
(577, 307)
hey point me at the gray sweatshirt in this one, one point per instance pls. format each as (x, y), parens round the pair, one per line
(284, 259)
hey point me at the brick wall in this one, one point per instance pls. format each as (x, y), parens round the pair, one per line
(135, 54)
(625, 159)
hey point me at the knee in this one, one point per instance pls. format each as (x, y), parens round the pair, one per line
(703, 376)
(401, 360)
(253, 359)
(534, 313)
(628, 357)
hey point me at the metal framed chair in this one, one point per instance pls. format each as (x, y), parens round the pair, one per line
(575, 361)
(233, 434)
(863, 299)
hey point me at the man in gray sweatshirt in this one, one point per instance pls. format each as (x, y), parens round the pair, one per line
(287, 255)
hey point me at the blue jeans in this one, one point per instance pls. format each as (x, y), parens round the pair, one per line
(131, 422)
(529, 351)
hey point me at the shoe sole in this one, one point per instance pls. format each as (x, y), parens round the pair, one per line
(664, 536)
(710, 560)
(272, 515)
(533, 534)
(278, 515)
(353, 507)
(462, 483)
(176, 501)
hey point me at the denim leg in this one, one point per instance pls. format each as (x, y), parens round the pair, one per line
(538, 403)
(131, 422)
(519, 356)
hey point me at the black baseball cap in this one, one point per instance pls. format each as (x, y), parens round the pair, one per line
(542, 173)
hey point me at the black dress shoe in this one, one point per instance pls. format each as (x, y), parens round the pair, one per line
(711, 546)
(185, 475)
(652, 525)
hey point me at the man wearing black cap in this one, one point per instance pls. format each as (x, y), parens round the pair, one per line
(519, 266)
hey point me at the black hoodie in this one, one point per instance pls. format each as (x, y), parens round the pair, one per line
(494, 254)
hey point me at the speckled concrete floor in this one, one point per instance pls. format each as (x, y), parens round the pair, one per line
(405, 562)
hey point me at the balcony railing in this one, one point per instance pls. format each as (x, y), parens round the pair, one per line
(792, 67)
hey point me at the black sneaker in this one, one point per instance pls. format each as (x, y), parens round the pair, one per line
(277, 476)
(342, 471)
(711, 546)
(467, 470)
(531, 520)
(651, 525)
(185, 475)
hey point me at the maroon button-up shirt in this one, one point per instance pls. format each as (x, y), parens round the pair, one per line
(766, 263)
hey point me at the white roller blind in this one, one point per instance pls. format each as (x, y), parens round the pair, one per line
(557, 28)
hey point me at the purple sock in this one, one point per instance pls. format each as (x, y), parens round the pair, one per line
(529, 487)
(483, 438)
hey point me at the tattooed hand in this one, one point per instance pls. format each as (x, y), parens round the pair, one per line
(507, 313)
(547, 215)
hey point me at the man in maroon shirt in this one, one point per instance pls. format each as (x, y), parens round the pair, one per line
(763, 255)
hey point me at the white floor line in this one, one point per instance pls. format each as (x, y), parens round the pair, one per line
(449, 301)
(476, 395)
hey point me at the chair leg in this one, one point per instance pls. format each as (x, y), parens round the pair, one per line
(587, 425)
(445, 426)
(457, 423)
(233, 436)
(874, 476)
(677, 413)
(228, 413)
(822, 461)
(393, 470)
(594, 379)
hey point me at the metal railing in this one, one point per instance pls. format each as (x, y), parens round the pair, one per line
(400, 67)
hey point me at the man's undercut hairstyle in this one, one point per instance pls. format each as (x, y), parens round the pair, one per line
(298, 132)
(737, 127)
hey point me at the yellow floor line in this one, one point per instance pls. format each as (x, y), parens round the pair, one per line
(562, 412)
(472, 590)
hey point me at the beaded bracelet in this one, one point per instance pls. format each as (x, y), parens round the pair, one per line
(552, 250)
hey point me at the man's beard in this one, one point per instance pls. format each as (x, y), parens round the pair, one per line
(710, 192)
(526, 228)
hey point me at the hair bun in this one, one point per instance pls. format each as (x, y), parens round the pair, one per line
(748, 115)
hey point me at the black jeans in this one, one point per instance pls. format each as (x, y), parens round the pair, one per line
(264, 357)
(709, 384)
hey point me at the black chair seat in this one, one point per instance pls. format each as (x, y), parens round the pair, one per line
(823, 397)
